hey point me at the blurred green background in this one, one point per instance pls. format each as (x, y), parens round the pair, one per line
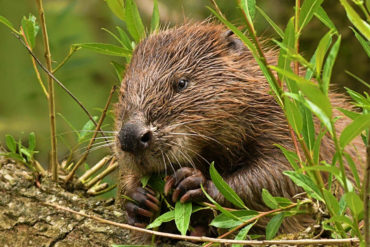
(23, 107)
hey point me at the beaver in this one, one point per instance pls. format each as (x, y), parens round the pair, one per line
(193, 95)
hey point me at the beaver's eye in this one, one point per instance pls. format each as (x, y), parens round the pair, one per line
(181, 84)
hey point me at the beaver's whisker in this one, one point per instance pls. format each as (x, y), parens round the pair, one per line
(96, 144)
(198, 135)
(102, 146)
(169, 162)
(188, 149)
(187, 122)
(164, 164)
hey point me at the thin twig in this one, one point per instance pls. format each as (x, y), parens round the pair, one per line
(72, 50)
(59, 83)
(218, 9)
(207, 239)
(101, 175)
(51, 98)
(84, 156)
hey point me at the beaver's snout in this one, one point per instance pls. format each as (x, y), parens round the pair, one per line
(135, 138)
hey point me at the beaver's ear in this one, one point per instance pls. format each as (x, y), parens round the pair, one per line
(233, 42)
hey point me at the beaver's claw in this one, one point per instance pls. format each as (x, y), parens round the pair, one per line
(186, 183)
(143, 207)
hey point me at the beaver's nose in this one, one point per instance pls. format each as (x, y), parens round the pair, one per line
(134, 138)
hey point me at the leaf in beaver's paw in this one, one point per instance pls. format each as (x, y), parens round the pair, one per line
(225, 189)
(182, 216)
(166, 217)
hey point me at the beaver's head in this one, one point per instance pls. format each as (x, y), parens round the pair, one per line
(184, 98)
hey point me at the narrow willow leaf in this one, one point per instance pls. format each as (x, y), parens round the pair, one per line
(317, 145)
(324, 18)
(89, 125)
(271, 22)
(306, 183)
(310, 90)
(107, 49)
(224, 188)
(166, 217)
(133, 21)
(329, 63)
(115, 37)
(293, 114)
(144, 180)
(242, 234)
(32, 141)
(7, 23)
(283, 202)
(358, 78)
(354, 202)
(331, 202)
(219, 207)
(292, 157)
(119, 69)
(365, 44)
(321, 51)
(30, 29)
(353, 168)
(249, 8)
(354, 129)
(269, 200)
(124, 38)
(308, 128)
(154, 23)
(356, 20)
(273, 226)
(117, 7)
(224, 221)
(357, 97)
(11, 143)
(323, 168)
(182, 216)
(310, 72)
(309, 7)
(350, 114)
(284, 61)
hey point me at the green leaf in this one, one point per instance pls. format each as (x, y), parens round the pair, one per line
(224, 221)
(350, 114)
(310, 90)
(7, 23)
(107, 49)
(358, 78)
(356, 20)
(310, 72)
(306, 183)
(166, 217)
(115, 37)
(119, 69)
(290, 156)
(328, 66)
(273, 226)
(293, 114)
(157, 183)
(133, 21)
(324, 18)
(125, 39)
(357, 97)
(249, 8)
(271, 22)
(16, 156)
(11, 143)
(308, 129)
(154, 23)
(144, 180)
(331, 202)
(283, 60)
(225, 189)
(317, 145)
(31, 141)
(354, 129)
(86, 129)
(182, 216)
(353, 168)
(269, 200)
(365, 44)
(117, 7)
(242, 234)
(354, 202)
(30, 29)
(309, 7)
(283, 202)
(321, 51)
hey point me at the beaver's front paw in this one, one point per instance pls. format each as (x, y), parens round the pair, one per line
(186, 183)
(143, 207)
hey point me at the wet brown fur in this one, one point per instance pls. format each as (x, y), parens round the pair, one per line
(226, 113)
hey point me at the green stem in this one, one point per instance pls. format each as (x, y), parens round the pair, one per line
(51, 98)
(71, 51)
(366, 196)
